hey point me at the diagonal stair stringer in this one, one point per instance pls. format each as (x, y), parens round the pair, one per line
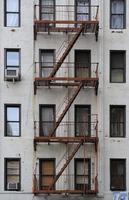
(66, 108)
(66, 52)
(65, 165)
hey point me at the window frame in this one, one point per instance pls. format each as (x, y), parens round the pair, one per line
(89, 171)
(124, 16)
(75, 58)
(40, 116)
(6, 160)
(9, 12)
(124, 121)
(75, 118)
(54, 11)
(41, 51)
(5, 119)
(5, 61)
(41, 160)
(124, 176)
(124, 68)
(76, 13)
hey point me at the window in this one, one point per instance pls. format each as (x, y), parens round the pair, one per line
(47, 119)
(82, 120)
(117, 18)
(12, 120)
(12, 65)
(12, 58)
(47, 62)
(117, 121)
(47, 173)
(82, 10)
(12, 174)
(118, 174)
(47, 10)
(82, 174)
(82, 63)
(117, 66)
(12, 13)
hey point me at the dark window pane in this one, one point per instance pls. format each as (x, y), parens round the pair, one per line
(47, 16)
(47, 119)
(82, 63)
(117, 59)
(118, 174)
(47, 10)
(12, 174)
(117, 21)
(82, 174)
(47, 2)
(82, 6)
(117, 121)
(117, 6)
(117, 76)
(117, 14)
(117, 66)
(12, 121)
(47, 60)
(82, 123)
(82, 10)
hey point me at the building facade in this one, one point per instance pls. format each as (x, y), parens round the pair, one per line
(64, 120)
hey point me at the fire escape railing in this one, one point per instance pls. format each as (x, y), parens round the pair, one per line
(64, 15)
(66, 184)
(67, 75)
(68, 128)
(68, 69)
(68, 132)
(63, 18)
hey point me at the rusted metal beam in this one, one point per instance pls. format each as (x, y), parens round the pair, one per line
(85, 139)
(66, 22)
(66, 52)
(79, 79)
(67, 108)
(65, 165)
(92, 192)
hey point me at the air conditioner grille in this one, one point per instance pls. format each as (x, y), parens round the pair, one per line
(11, 72)
(13, 186)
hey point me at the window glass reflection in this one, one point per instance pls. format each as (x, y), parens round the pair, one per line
(12, 58)
(12, 114)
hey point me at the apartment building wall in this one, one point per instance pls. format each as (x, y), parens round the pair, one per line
(114, 94)
(22, 93)
(56, 96)
(18, 93)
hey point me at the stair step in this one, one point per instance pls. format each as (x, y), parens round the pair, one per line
(66, 108)
(66, 52)
(65, 165)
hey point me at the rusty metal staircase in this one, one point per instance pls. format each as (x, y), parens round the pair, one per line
(77, 90)
(66, 52)
(65, 165)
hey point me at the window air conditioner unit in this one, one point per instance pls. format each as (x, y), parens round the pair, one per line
(12, 74)
(13, 186)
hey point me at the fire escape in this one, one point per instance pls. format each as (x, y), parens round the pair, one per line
(76, 28)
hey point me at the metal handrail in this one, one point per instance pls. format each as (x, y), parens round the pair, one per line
(61, 10)
(88, 128)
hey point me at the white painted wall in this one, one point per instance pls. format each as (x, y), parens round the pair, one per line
(22, 93)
